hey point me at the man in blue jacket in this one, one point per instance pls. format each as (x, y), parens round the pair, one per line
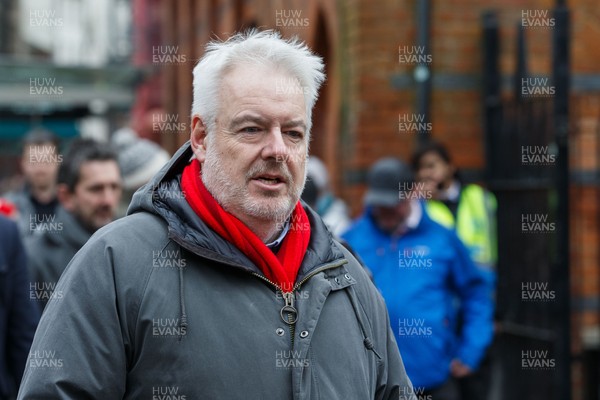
(423, 271)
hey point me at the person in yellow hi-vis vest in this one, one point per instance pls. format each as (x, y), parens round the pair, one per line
(471, 211)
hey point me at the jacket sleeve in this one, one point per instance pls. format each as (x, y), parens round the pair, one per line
(476, 306)
(23, 315)
(34, 268)
(78, 351)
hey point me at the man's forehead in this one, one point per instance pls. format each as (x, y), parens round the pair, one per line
(92, 169)
(253, 94)
(245, 75)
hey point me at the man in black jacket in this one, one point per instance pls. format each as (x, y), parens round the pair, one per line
(18, 315)
(89, 189)
(36, 201)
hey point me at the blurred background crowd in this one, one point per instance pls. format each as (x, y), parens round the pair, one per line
(487, 113)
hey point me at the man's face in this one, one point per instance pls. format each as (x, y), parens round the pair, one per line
(40, 164)
(434, 172)
(389, 219)
(96, 195)
(254, 162)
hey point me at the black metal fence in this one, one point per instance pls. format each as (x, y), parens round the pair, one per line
(527, 169)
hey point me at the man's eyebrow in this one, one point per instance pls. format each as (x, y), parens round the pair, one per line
(256, 119)
(294, 123)
(242, 119)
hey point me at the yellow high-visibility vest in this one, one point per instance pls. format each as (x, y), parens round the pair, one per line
(475, 222)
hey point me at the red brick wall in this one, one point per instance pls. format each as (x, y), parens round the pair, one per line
(374, 34)
(357, 116)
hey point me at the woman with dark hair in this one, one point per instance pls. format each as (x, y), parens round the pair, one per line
(468, 208)
(471, 211)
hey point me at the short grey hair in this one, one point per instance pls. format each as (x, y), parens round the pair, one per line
(255, 48)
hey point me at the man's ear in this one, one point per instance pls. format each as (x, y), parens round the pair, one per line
(198, 138)
(65, 197)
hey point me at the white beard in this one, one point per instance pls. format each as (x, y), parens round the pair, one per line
(235, 199)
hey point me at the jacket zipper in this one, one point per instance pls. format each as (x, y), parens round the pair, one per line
(292, 313)
(289, 313)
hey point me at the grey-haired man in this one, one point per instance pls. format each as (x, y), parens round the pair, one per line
(219, 283)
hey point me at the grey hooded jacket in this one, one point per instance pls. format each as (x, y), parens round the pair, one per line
(158, 306)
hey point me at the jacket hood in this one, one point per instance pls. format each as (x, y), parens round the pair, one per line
(163, 196)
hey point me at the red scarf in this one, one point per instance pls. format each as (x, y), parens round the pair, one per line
(282, 268)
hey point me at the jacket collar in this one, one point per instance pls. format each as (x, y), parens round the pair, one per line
(71, 230)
